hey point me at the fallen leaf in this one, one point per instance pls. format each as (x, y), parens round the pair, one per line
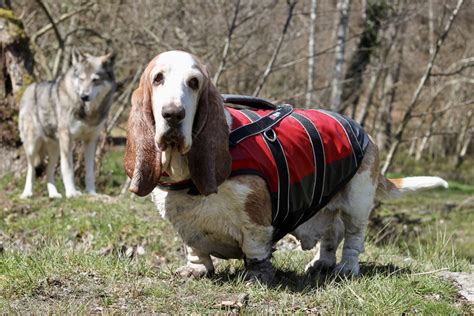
(236, 303)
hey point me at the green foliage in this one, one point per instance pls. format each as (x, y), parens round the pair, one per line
(9, 15)
(15, 26)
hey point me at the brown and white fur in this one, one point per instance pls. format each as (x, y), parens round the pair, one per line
(178, 125)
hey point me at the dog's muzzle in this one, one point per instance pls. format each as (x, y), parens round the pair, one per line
(173, 135)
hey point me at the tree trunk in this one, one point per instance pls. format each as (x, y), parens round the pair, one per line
(424, 140)
(431, 34)
(384, 123)
(419, 143)
(311, 56)
(16, 60)
(374, 79)
(353, 79)
(463, 140)
(337, 82)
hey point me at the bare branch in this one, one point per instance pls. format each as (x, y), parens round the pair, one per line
(416, 95)
(462, 64)
(445, 109)
(62, 18)
(156, 38)
(53, 24)
(268, 70)
(225, 51)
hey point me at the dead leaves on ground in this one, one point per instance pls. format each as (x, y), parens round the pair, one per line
(234, 304)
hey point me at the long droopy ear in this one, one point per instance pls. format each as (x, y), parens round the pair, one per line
(209, 158)
(142, 159)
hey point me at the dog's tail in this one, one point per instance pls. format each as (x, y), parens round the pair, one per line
(393, 188)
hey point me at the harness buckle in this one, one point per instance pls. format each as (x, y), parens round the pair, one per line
(270, 135)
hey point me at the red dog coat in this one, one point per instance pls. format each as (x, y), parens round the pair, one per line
(305, 156)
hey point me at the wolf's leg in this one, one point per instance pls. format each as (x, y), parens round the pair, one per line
(199, 264)
(53, 156)
(31, 150)
(89, 158)
(67, 165)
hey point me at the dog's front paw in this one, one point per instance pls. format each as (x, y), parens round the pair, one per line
(264, 277)
(319, 266)
(259, 270)
(194, 270)
(348, 268)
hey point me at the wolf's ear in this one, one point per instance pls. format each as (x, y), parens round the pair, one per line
(209, 158)
(142, 160)
(77, 56)
(108, 59)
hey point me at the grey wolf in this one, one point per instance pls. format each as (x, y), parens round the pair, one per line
(55, 114)
(178, 126)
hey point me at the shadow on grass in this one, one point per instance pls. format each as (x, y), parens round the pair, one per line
(296, 282)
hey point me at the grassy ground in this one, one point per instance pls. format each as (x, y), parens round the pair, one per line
(115, 254)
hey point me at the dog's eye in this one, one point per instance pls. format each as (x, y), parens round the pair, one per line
(193, 83)
(159, 78)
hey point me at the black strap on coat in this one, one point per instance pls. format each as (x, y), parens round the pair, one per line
(249, 101)
(260, 125)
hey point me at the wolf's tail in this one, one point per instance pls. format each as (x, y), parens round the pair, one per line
(393, 188)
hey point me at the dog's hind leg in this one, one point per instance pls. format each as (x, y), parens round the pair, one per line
(332, 234)
(355, 224)
(356, 201)
(53, 156)
(31, 149)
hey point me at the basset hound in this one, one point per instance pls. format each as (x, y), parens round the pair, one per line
(179, 128)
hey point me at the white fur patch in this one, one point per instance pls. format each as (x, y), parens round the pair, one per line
(177, 68)
(216, 224)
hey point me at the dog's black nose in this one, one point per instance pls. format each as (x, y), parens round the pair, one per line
(173, 114)
(84, 97)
